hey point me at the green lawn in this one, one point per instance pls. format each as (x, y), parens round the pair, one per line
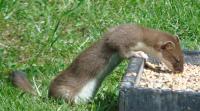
(42, 37)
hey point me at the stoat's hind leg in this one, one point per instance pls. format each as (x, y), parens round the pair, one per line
(60, 92)
(75, 94)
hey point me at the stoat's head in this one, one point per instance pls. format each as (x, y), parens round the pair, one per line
(172, 55)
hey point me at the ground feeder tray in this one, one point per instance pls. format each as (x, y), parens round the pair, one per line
(135, 98)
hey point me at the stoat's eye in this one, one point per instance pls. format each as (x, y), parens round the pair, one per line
(176, 58)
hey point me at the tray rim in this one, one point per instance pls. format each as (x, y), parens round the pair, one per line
(126, 89)
(133, 84)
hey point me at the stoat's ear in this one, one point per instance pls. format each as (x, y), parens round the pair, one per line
(168, 45)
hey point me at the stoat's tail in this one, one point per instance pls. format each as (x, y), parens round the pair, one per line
(19, 79)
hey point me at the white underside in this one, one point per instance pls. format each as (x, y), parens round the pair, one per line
(86, 92)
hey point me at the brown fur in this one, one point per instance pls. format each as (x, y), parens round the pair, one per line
(95, 62)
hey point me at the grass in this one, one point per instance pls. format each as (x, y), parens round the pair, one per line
(42, 37)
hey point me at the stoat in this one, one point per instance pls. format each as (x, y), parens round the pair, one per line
(81, 80)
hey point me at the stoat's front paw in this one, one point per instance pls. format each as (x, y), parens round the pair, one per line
(140, 54)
